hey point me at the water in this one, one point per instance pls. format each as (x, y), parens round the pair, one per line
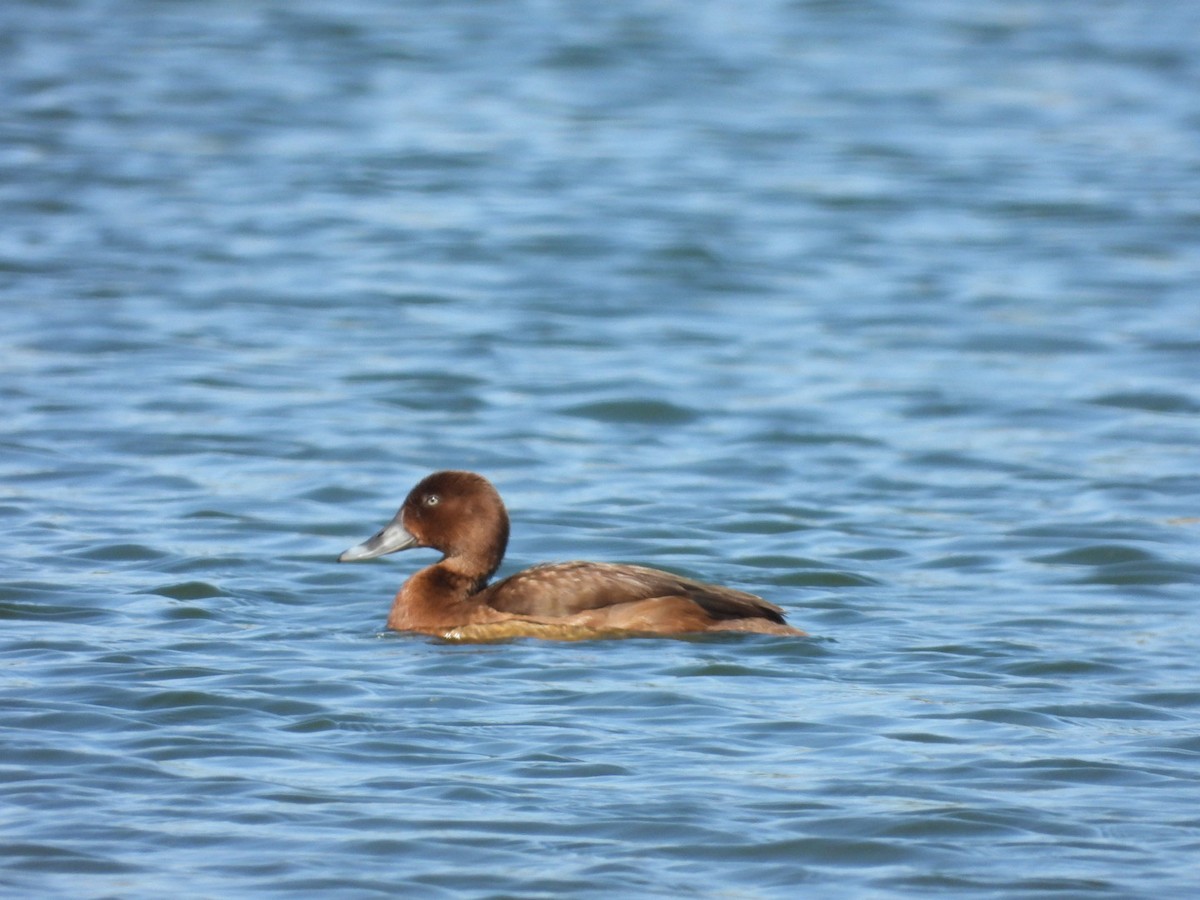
(884, 311)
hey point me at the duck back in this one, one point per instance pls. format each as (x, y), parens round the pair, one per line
(567, 588)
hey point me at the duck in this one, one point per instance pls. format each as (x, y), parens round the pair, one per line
(461, 515)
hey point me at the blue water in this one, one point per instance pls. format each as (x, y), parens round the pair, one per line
(885, 311)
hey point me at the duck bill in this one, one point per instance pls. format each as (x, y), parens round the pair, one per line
(392, 538)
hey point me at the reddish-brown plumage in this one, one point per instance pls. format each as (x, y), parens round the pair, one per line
(462, 515)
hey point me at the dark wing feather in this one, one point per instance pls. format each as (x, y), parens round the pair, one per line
(563, 589)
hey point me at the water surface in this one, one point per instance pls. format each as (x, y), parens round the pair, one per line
(883, 311)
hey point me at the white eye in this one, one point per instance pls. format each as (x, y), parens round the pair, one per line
(432, 499)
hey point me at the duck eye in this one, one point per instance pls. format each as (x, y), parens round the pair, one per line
(432, 499)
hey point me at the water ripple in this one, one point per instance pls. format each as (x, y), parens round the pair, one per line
(901, 345)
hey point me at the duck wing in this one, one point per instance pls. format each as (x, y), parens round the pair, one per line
(563, 589)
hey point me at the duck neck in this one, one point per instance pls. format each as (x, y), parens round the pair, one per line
(438, 597)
